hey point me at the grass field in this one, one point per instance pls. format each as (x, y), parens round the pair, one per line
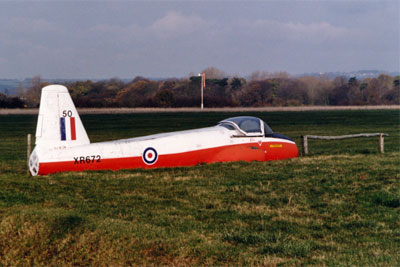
(338, 206)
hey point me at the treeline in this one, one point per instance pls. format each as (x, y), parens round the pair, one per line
(258, 90)
(11, 101)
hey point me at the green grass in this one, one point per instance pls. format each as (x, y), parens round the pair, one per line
(339, 206)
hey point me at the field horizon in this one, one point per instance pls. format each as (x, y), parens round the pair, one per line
(35, 111)
(338, 206)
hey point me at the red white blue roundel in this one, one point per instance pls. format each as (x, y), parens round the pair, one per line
(150, 156)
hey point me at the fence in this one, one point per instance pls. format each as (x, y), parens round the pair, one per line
(306, 137)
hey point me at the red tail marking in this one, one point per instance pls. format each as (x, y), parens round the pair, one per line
(73, 130)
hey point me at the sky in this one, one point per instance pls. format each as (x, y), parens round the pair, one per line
(125, 39)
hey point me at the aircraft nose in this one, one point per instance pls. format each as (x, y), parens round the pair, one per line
(294, 150)
(279, 135)
(291, 150)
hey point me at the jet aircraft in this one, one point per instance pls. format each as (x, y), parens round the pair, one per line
(62, 143)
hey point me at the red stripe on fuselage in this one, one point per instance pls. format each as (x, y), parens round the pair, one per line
(243, 152)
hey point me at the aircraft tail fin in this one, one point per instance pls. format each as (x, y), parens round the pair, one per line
(59, 124)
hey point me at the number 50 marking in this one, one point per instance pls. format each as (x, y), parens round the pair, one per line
(67, 113)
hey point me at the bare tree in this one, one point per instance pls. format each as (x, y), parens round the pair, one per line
(279, 75)
(214, 73)
(258, 76)
(32, 95)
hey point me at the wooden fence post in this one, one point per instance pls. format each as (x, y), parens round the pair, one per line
(306, 137)
(381, 143)
(305, 145)
(28, 151)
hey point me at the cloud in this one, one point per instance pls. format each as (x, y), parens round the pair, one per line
(26, 25)
(125, 39)
(115, 29)
(18, 33)
(310, 33)
(124, 34)
(174, 24)
(321, 30)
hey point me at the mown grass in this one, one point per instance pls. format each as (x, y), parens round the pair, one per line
(339, 206)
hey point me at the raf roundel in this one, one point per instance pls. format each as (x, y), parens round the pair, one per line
(150, 156)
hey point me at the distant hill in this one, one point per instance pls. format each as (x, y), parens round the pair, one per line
(361, 74)
(9, 86)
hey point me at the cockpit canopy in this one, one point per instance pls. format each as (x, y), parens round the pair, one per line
(247, 126)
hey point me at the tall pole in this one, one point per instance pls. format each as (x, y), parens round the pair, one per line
(305, 145)
(29, 148)
(202, 88)
(203, 82)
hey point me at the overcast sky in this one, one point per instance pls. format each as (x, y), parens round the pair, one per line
(93, 39)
